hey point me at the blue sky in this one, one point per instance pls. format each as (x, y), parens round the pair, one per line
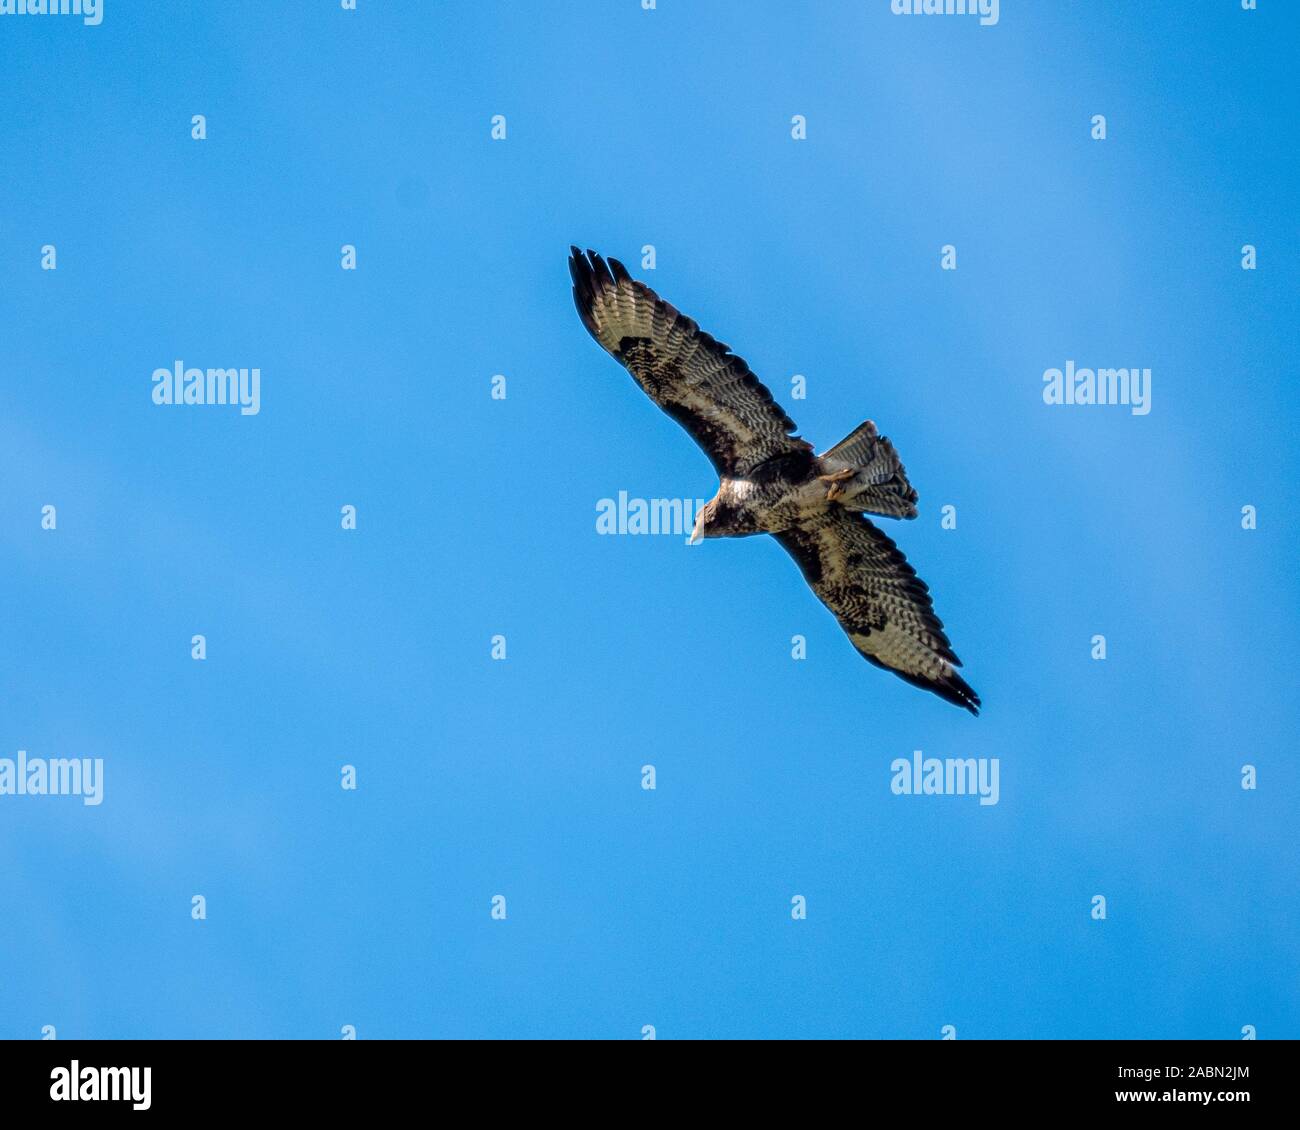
(476, 517)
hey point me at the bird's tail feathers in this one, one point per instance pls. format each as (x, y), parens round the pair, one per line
(877, 483)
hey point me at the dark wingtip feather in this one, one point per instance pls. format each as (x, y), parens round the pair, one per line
(951, 687)
(584, 288)
(959, 692)
(599, 268)
(578, 269)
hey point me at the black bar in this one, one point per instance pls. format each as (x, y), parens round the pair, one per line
(340, 1078)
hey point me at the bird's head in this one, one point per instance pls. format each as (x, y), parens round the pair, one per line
(705, 516)
(722, 518)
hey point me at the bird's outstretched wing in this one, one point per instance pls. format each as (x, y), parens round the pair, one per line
(860, 575)
(698, 381)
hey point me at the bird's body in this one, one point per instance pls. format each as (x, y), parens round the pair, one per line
(770, 501)
(772, 481)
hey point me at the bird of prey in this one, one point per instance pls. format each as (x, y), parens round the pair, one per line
(773, 482)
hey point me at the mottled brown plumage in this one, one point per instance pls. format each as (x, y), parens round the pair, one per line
(772, 482)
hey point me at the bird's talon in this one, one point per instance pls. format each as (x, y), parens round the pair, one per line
(836, 480)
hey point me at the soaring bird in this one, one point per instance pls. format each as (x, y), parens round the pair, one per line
(773, 482)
